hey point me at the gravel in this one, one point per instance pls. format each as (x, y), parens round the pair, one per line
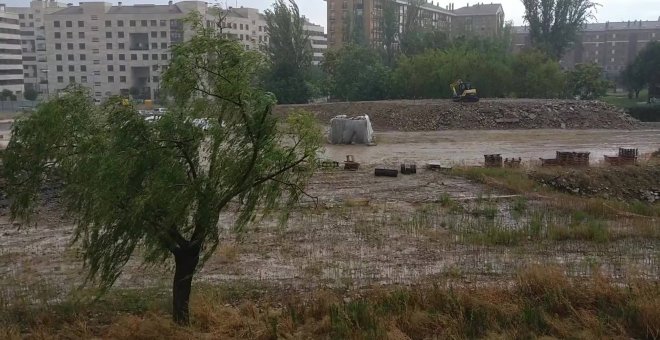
(430, 115)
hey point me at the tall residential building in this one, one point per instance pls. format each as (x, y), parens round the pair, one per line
(119, 49)
(318, 40)
(33, 41)
(364, 18)
(612, 45)
(11, 63)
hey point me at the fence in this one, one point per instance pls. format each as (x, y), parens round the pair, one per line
(17, 106)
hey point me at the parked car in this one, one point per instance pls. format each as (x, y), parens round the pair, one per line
(160, 111)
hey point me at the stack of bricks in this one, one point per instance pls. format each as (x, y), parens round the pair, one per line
(493, 161)
(625, 157)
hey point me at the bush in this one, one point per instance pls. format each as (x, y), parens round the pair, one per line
(645, 113)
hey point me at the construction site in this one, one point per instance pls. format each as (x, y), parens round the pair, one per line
(443, 194)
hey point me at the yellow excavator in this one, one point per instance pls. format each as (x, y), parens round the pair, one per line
(463, 92)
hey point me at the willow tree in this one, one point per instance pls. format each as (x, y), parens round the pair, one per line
(158, 188)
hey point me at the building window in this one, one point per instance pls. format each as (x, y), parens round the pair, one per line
(81, 46)
(69, 23)
(108, 35)
(154, 34)
(133, 56)
(83, 68)
(120, 23)
(72, 79)
(108, 46)
(132, 23)
(96, 62)
(612, 60)
(72, 68)
(60, 79)
(145, 57)
(109, 57)
(81, 35)
(69, 35)
(70, 57)
(154, 67)
(122, 79)
(154, 46)
(154, 57)
(83, 79)
(143, 23)
(122, 68)
(111, 68)
(58, 35)
(241, 26)
(56, 23)
(21, 16)
(122, 57)
(58, 57)
(163, 23)
(81, 24)
(69, 46)
(59, 68)
(154, 23)
(155, 79)
(163, 46)
(120, 34)
(163, 34)
(108, 23)
(83, 57)
(58, 46)
(95, 50)
(120, 46)
(163, 56)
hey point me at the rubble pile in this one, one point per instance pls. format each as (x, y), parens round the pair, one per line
(429, 115)
(633, 182)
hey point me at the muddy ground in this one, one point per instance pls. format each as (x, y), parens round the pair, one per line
(365, 231)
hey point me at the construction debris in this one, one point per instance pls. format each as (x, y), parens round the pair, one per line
(493, 161)
(408, 169)
(431, 115)
(625, 157)
(567, 159)
(512, 163)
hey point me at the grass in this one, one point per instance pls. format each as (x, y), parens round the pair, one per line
(542, 302)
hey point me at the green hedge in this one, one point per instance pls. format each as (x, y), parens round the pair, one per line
(645, 113)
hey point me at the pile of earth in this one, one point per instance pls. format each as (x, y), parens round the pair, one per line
(626, 183)
(431, 115)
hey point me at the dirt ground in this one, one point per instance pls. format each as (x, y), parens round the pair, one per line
(469, 146)
(365, 231)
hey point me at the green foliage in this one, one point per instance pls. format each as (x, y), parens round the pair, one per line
(7, 95)
(554, 24)
(429, 74)
(644, 71)
(289, 52)
(161, 186)
(357, 73)
(535, 75)
(586, 82)
(30, 94)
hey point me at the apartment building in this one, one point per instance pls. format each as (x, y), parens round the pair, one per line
(612, 45)
(33, 41)
(347, 18)
(11, 64)
(318, 40)
(117, 49)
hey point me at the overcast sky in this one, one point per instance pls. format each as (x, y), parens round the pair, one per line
(611, 10)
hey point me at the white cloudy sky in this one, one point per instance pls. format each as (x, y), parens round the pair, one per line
(611, 10)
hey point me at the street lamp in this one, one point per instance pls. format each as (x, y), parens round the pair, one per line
(45, 71)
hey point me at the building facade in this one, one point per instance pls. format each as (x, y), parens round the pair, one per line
(346, 18)
(33, 41)
(11, 59)
(117, 49)
(612, 45)
(319, 41)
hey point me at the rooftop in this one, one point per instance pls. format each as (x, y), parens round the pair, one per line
(479, 9)
(608, 26)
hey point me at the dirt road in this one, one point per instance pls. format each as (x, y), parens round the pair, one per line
(468, 147)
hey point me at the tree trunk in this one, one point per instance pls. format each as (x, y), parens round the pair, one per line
(185, 263)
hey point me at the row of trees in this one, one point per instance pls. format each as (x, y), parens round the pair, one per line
(644, 72)
(418, 62)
